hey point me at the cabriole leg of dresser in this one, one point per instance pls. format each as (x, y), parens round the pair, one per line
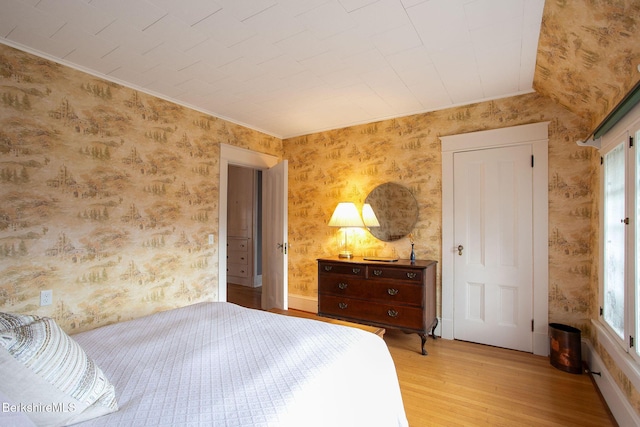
(423, 338)
(433, 330)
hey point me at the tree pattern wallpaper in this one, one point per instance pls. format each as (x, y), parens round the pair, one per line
(588, 54)
(107, 195)
(588, 57)
(347, 164)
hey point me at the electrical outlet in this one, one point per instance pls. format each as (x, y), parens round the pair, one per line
(46, 297)
(211, 239)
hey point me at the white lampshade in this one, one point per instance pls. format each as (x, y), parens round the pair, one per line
(369, 217)
(346, 215)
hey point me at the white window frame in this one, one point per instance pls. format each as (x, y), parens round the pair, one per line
(629, 126)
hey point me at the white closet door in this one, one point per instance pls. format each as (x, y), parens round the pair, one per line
(493, 228)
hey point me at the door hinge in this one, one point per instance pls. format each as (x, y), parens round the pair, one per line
(531, 325)
(631, 343)
(601, 311)
(601, 160)
(630, 141)
(532, 160)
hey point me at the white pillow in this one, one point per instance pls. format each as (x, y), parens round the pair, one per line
(47, 374)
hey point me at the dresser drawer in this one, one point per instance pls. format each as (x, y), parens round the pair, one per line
(235, 257)
(235, 244)
(397, 293)
(352, 270)
(382, 273)
(344, 286)
(237, 270)
(375, 312)
(388, 293)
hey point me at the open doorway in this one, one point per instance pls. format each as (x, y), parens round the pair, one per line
(274, 214)
(244, 236)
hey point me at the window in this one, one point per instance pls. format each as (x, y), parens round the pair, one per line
(614, 242)
(620, 237)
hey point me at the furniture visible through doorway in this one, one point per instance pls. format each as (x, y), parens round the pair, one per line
(242, 227)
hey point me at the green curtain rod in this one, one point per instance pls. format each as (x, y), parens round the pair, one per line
(630, 100)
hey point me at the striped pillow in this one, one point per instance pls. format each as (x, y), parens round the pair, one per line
(47, 374)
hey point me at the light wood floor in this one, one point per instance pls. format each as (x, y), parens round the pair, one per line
(466, 384)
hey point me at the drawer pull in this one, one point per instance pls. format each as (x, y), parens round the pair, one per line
(392, 291)
(392, 313)
(328, 267)
(377, 272)
(411, 275)
(356, 270)
(342, 285)
(343, 305)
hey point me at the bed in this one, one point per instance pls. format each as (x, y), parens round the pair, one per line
(220, 364)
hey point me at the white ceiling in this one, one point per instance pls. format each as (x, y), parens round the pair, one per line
(291, 67)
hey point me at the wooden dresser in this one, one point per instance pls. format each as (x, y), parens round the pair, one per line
(239, 261)
(399, 294)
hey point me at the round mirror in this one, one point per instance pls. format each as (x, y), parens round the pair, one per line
(396, 210)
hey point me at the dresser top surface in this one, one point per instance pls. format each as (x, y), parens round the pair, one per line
(420, 263)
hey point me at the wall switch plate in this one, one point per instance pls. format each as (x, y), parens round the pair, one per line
(46, 297)
(211, 239)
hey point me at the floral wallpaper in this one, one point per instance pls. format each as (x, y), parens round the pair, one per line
(107, 196)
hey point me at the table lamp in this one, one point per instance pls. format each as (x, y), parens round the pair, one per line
(346, 216)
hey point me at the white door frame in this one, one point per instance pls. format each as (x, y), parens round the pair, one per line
(537, 135)
(239, 157)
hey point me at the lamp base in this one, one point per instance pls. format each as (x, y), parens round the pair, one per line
(345, 254)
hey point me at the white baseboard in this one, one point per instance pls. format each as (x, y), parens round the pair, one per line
(257, 281)
(620, 407)
(446, 328)
(541, 344)
(299, 302)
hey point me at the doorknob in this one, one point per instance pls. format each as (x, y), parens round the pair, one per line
(460, 248)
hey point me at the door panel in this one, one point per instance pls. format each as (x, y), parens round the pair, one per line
(275, 240)
(493, 223)
(475, 299)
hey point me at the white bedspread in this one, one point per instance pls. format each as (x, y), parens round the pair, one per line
(220, 364)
